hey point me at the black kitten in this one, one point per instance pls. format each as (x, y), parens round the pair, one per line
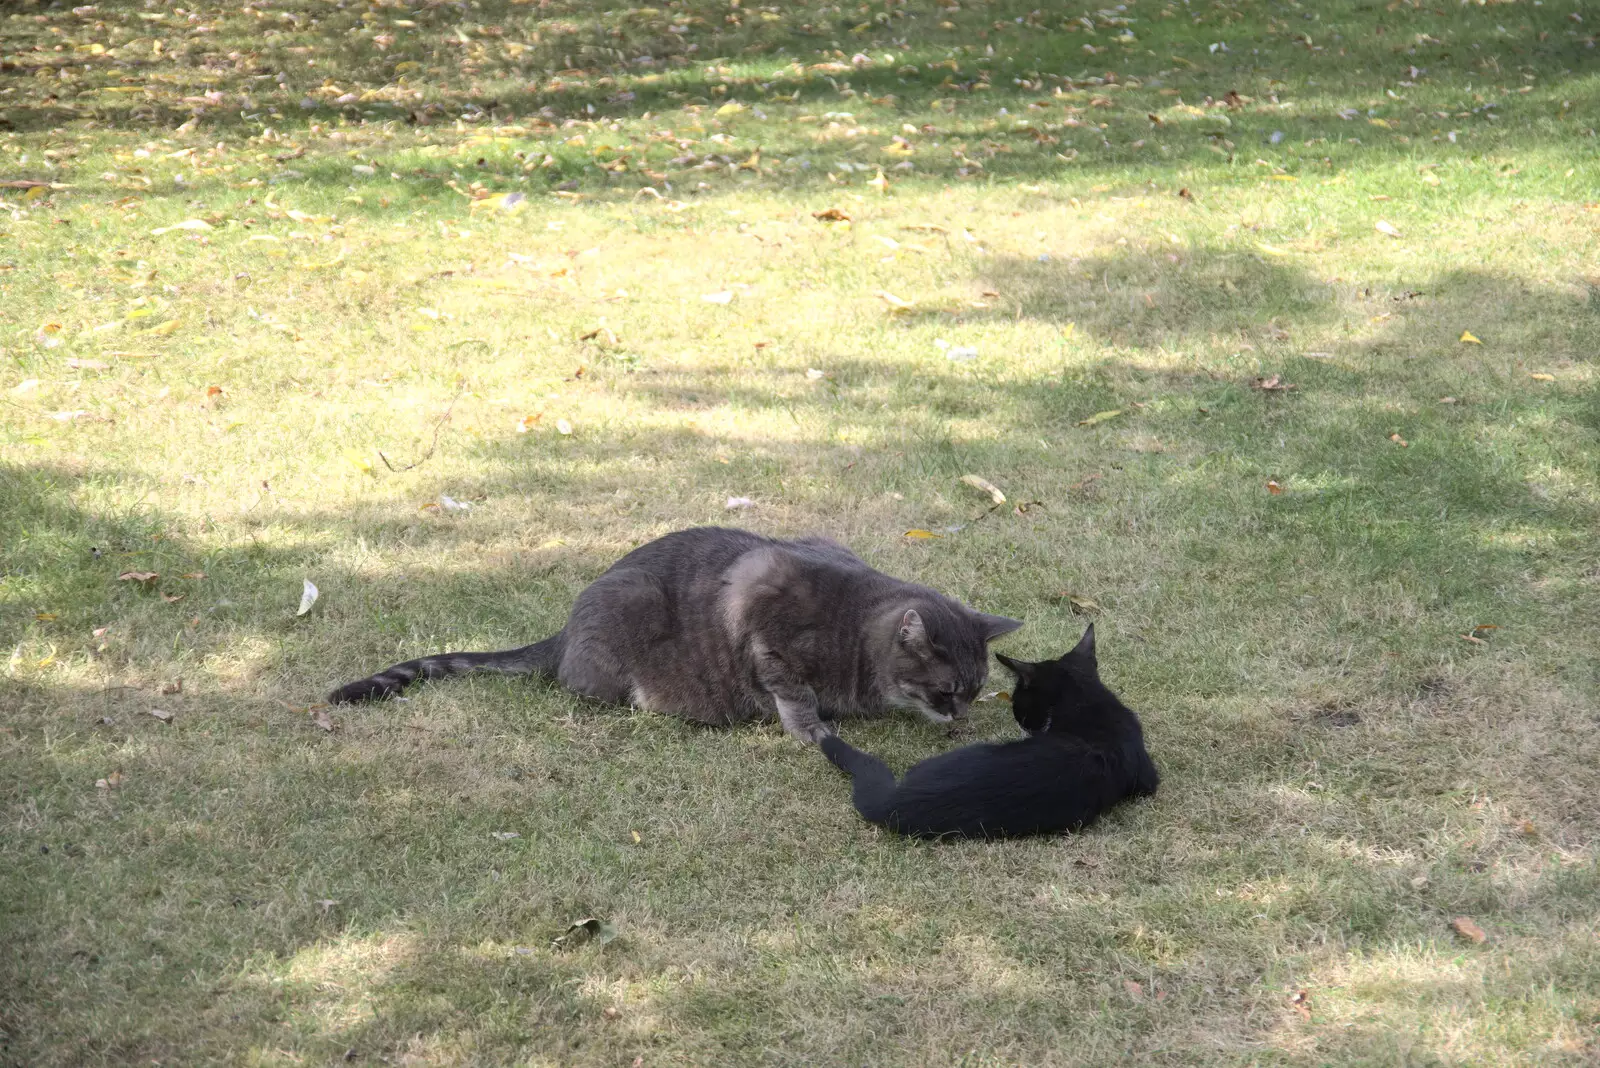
(1085, 752)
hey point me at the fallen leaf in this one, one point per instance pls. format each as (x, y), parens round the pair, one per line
(1301, 1002)
(193, 575)
(213, 391)
(1467, 928)
(724, 296)
(894, 302)
(636, 839)
(1134, 989)
(175, 686)
(563, 427)
(1448, 400)
(880, 183)
(1100, 417)
(738, 503)
(187, 224)
(831, 215)
(1400, 441)
(173, 598)
(110, 782)
(1468, 339)
(983, 485)
(528, 422)
(586, 930)
(1273, 487)
(308, 597)
(45, 617)
(87, 365)
(813, 374)
(162, 714)
(1540, 376)
(1386, 228)
(1474, 639)
(1527, 828)
(922, 534)
(1482, 628)
(145, 579)
(505, 836)
(1082, 605)
(1272, 385)
(320, 718)
(1420, 882)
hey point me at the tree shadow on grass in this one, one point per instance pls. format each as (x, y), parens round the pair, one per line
(583, 63)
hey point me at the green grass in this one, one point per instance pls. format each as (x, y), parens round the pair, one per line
(1344, 772)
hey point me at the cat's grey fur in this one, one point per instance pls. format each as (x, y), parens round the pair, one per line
(721, 626)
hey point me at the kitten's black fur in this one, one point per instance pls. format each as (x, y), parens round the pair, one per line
(1085, 753)
(720, 626)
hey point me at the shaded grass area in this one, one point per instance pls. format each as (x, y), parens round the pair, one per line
(1358, 615)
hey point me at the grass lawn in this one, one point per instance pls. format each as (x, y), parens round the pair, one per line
(1275, 321)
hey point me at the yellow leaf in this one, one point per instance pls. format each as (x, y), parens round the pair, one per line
(1100, 417)
(1540, 376)
(893, 301)
(1381, 123)
(922, 534)
(162, 329)
(732, 107)
(1468, 339)
(1386, 228)
(358, 461)
(45, 617)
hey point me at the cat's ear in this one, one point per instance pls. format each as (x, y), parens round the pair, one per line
(996, 626)
(912, 632)
(1085, 646)
(1020, 668)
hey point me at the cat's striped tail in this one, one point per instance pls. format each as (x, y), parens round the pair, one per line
(874, 788)
(540, 658)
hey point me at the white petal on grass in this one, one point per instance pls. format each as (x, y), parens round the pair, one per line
(723, 297)
(738, 503)
(308, 597)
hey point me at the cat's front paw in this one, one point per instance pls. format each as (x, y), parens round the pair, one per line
(811, 733)
(364, 690)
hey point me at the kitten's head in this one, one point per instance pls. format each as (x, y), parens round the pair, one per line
(940, 657)
(1053, 690)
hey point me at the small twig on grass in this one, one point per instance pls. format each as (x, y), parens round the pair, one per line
(434, 444)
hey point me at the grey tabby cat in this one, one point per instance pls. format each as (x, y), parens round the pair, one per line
(722, 626)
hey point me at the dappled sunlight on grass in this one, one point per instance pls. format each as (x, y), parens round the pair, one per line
(299, 274)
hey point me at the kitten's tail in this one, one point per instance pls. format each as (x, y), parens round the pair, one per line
(540, 658)
(873, 793)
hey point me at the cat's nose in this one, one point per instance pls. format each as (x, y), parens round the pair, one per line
(959, 709)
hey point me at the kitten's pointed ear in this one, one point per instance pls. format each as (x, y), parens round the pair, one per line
(1020, 668)
(995, 626)
(912, 632)
(1085, 646)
